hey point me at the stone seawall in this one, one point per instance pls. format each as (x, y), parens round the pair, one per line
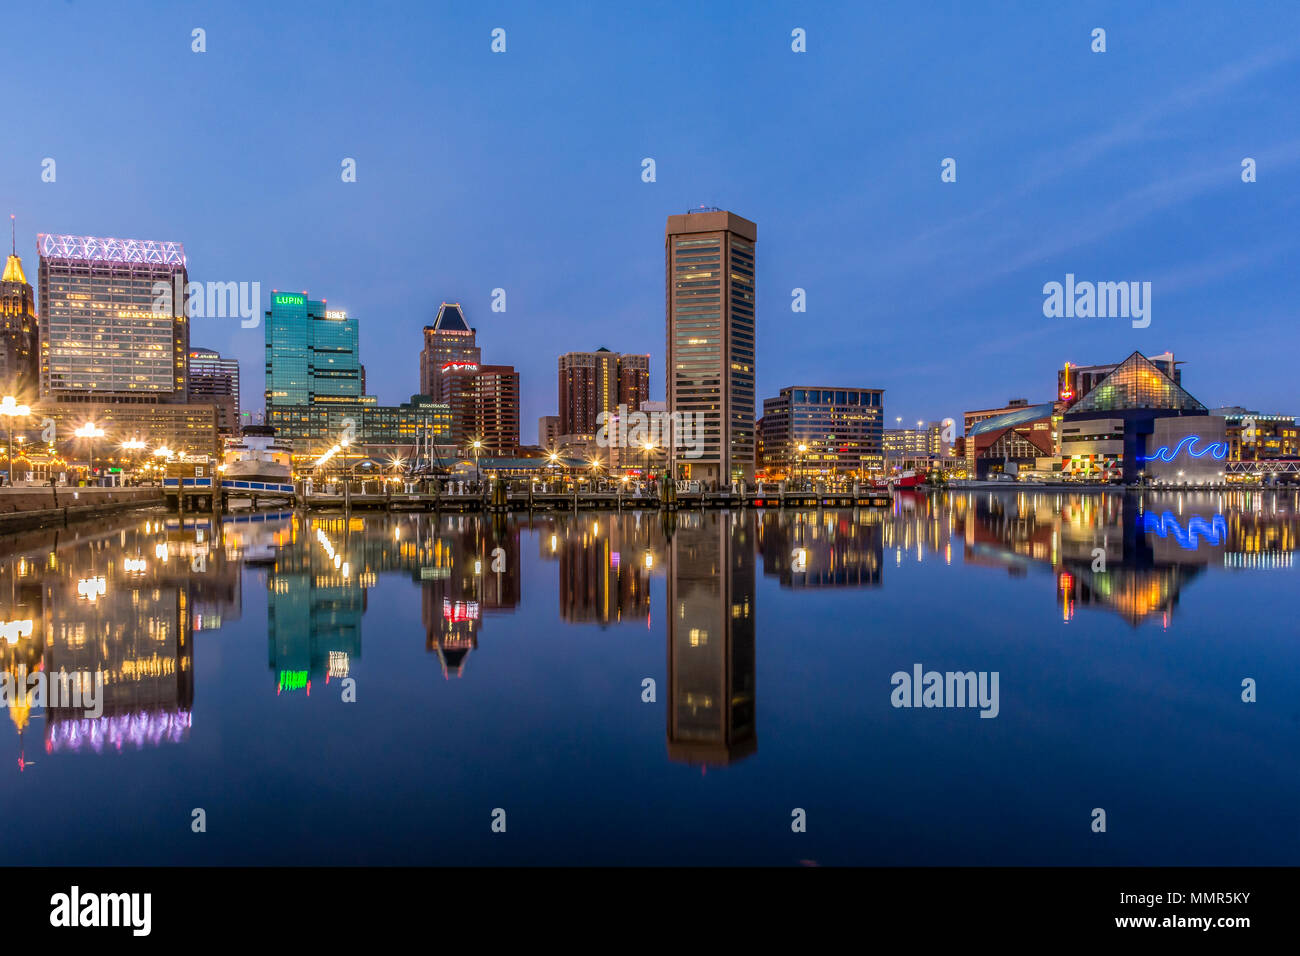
(35, 507)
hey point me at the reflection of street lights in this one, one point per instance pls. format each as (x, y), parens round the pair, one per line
(10, 409)
(89, 431)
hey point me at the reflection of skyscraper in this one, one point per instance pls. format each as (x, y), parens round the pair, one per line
(470, 568)
(837, 549)
(136, 632)
(604, 578)
(317, 599)
(711, 660)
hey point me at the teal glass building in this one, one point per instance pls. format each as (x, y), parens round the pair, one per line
(312, 354)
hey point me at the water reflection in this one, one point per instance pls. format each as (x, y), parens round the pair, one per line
(129, 597)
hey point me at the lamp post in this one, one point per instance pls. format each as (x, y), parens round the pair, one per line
(10, 409)
(89, 431)
(798, 471)
(554, 457)
(649, 447)
(164, 454)
(477, 446)
(131, 445)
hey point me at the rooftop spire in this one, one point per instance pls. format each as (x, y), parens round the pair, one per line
(13, 265)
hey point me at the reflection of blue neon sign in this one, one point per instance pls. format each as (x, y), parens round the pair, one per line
(1217, 450)
(1213, 530)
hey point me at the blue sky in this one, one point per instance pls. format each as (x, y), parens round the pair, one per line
(522, 171)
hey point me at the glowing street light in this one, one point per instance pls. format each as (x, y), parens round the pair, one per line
(477, 446)
(10, 409)
(89, 431)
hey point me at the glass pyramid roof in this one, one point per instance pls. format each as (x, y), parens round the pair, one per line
(450, 318)
(1135, 384)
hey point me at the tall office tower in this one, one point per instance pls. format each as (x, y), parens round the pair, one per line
(710, 594)
(484, 404)
(633, 380)
(448, 343)
(215, 380)
(709, 291)
(312, 353)
(111, 328)
(19, 331)
(588, 383)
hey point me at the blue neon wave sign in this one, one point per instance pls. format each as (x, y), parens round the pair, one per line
(1213, 530)
(1217, 450)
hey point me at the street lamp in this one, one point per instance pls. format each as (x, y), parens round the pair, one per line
(649, 447)
(133, 444)
(10, 409)
(477, 446)
(803, 450)
(89, 431)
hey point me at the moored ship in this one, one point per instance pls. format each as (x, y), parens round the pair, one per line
(257, 456)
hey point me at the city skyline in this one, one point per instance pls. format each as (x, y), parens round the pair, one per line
(938, 283)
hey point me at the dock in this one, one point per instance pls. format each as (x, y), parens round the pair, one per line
(208, 495)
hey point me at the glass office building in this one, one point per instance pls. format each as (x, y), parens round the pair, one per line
(110, 327)
(312, 353)
(841, 429)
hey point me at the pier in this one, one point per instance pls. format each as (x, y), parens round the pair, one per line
(209, 495)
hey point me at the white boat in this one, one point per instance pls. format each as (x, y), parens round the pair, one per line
(257, 456)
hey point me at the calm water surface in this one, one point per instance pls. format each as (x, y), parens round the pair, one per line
(502, 663)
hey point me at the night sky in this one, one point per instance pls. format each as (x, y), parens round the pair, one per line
(523, 171)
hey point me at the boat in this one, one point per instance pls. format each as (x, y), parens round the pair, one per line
(903, 481)
(258, 456)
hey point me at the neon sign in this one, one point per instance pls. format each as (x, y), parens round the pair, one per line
(1213, 530)
(1217, 450)
(287, 299)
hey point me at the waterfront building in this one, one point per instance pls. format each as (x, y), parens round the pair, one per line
(633, 380)
(312, 353)
(484, 404)
(448, 343)
(1074, 382)
(588, 390)
(105, 331)
(374, 429)
(185, 429)
(19, 332)
(592, 384)
(817, 430)
(214, 380)
(1255, 436)
(919, 442)
(1020, 437)
(1118, 430)
(709, 287)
